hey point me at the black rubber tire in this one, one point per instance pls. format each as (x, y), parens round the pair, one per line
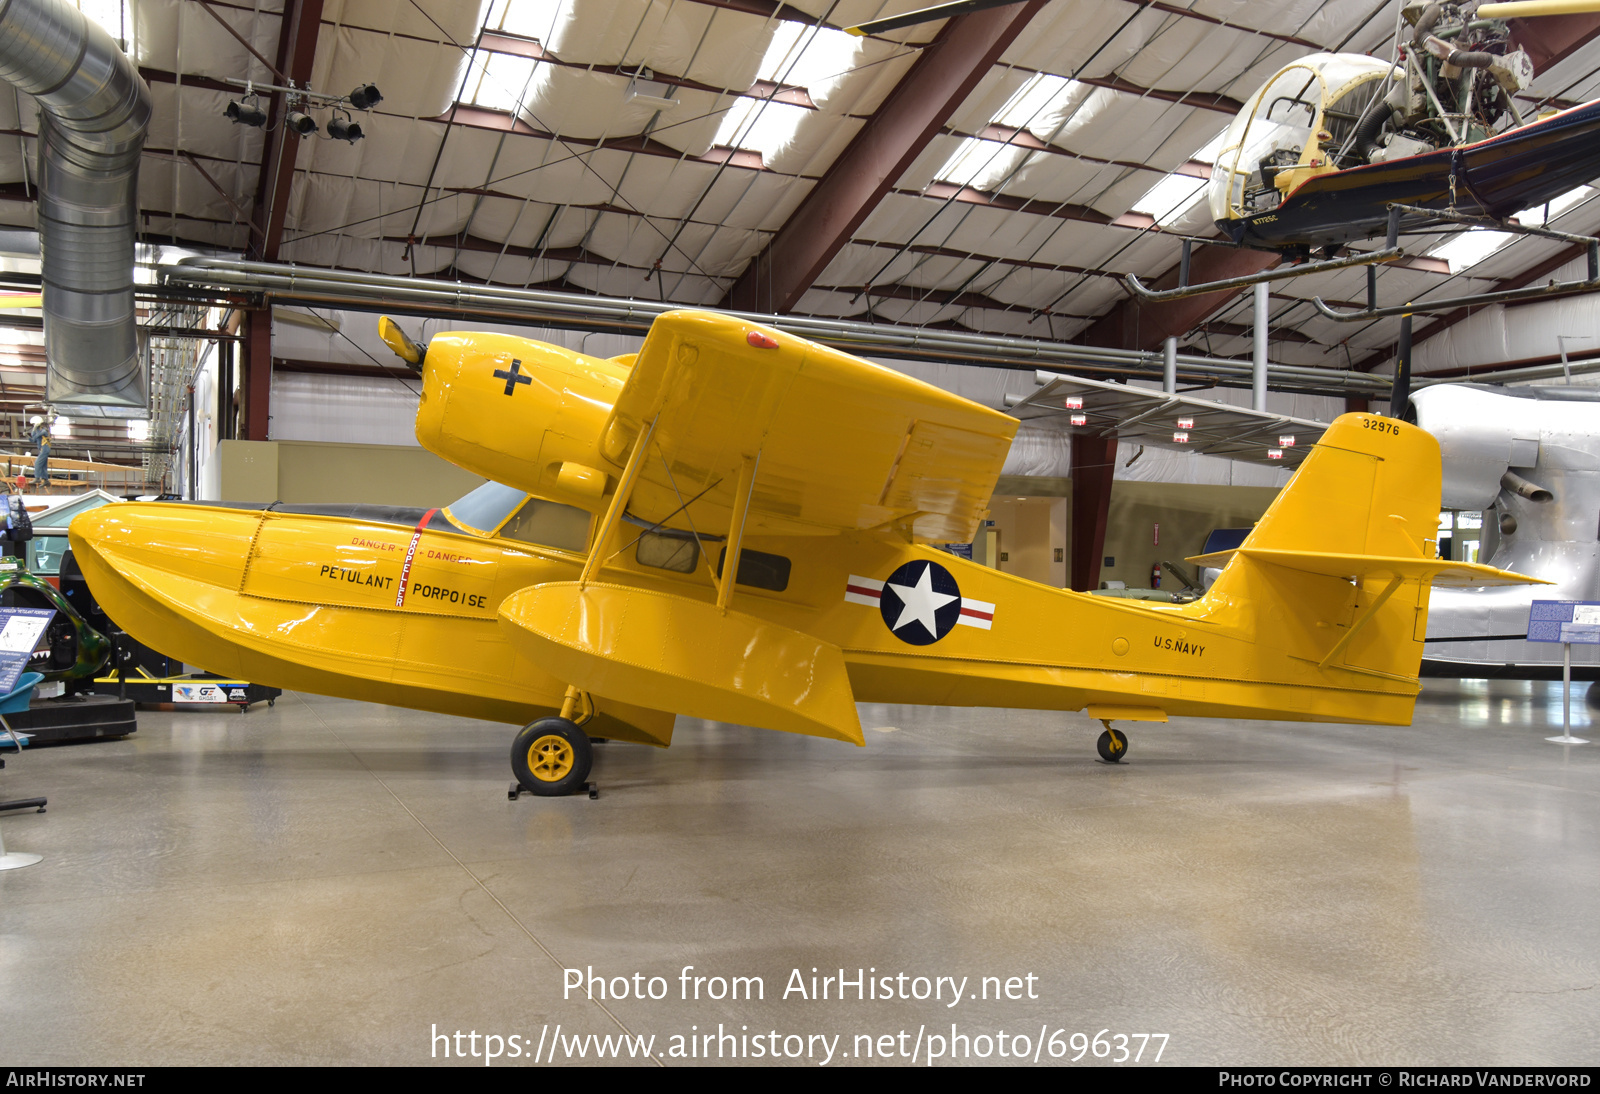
(1112, 746)
(543, 767)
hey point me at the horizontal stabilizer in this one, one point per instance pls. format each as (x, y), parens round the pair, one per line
(1441, 572)
(669, 652)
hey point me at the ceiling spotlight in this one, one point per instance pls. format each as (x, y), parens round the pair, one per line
(248, 112)
(344, 129)
(366, 97)
(301, 123)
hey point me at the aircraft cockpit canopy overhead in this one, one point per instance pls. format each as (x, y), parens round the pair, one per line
(1300, 124)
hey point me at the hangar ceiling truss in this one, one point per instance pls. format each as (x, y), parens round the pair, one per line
(998, 173)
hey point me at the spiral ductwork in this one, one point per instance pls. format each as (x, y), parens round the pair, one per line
(94, 112)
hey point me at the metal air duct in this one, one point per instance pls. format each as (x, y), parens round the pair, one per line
(94, 110)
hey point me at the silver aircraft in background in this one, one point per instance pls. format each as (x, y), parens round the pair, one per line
(1529, 457)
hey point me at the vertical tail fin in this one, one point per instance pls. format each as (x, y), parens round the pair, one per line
(1337, 572)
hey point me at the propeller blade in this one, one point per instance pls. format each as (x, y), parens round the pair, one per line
(1524, 9)
(926, 15)
(397, 340)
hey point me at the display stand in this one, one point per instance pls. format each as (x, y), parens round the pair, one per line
(1566, 737)
(16, 860)
(21, 630)
(1565, 621)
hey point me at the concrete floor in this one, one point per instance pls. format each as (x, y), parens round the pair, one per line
(335, 882)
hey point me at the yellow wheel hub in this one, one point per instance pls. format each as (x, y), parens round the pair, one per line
(550, 758)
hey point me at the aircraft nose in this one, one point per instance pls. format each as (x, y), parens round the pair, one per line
(511, 409)
(151, 541)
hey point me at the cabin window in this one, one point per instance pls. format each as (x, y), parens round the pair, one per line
(549, 524)
(759, 570)
(678, 554)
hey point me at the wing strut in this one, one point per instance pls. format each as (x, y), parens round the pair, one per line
(619, 503)
(741, 507)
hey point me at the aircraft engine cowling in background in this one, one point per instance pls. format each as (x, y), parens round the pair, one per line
(1479, 441)
(522, 413)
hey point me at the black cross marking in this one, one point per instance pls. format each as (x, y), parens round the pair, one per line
(512, 378)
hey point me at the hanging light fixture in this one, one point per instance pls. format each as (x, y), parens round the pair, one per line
(344, 129)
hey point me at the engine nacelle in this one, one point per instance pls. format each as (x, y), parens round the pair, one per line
(1481, 435)
(522, 413)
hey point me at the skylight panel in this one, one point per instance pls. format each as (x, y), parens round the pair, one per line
(1557, 206)
(1040, 96)
(980, 164)
(799, 55)
(815, 58)
(499, 81)
(759, 126)
(983, 164)
(1208, 154)
(528, 18)
(1171, 199)
(1467, 249)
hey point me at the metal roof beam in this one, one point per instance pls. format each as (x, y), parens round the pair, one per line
(1551, 39)
(1450, 319)
(935, 87)
(297, 48)
(1132, 325)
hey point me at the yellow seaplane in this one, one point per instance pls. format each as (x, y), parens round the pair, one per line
(739, 525)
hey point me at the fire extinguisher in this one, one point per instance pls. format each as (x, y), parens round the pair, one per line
(1155, 576)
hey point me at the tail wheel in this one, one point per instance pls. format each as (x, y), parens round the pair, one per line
(551, 757)
(1113, 746)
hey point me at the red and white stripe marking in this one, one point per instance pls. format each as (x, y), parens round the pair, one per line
(411, 554)
(864, 590)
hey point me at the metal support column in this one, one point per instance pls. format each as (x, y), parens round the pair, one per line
(1169, 365)
(1258, 376)
(1094, 462)
(258, 375)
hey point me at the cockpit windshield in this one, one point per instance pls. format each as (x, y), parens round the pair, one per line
(1296, 126)
(486, 508)
(494, 509)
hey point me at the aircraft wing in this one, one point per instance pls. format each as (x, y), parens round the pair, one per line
(1140, 416)
(843, 444)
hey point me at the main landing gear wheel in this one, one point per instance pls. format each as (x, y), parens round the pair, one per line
(551, 757)
(1113, 746)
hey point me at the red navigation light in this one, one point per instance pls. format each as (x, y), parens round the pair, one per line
(761, 340)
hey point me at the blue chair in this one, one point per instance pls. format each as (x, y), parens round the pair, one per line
(15, 701)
